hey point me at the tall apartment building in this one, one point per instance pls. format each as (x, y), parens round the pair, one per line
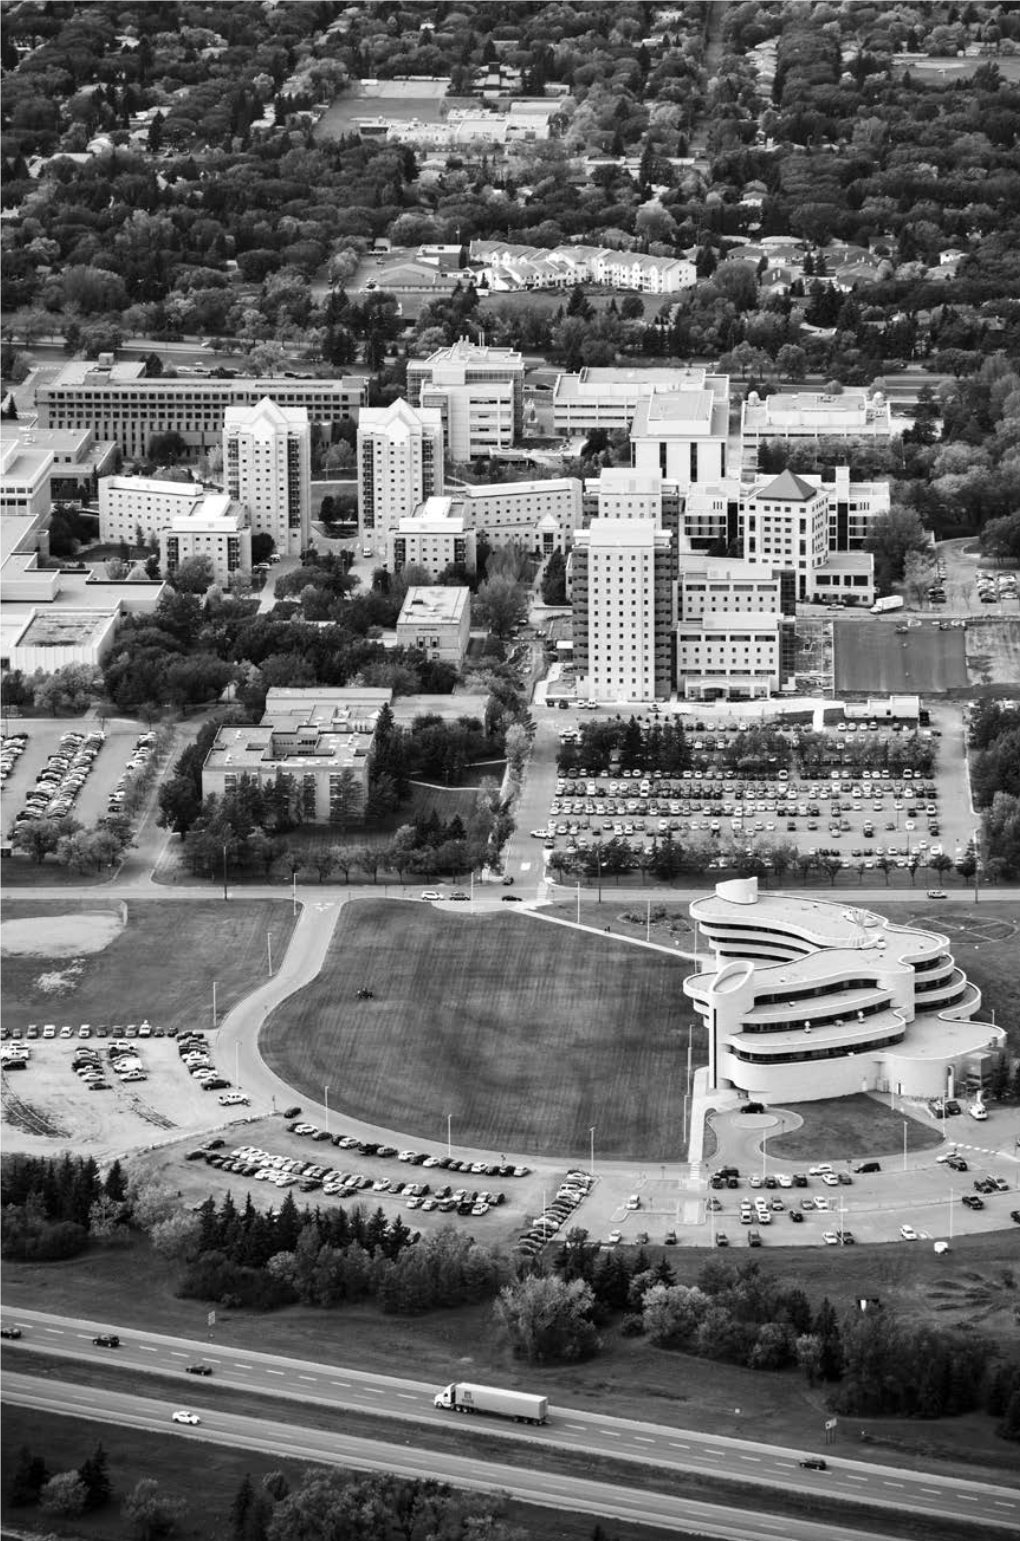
(120, 403)
(400, 464)
(622, 595)
(478, 390)
(267, 464)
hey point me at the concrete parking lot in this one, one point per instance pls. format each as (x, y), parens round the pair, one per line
(120, 735)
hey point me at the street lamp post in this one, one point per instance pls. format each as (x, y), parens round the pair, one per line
(598, 862)
(592, 1133)
(225, 869)
(326, 1090)
(904, 1144)
(449, 1134)
(269, 948)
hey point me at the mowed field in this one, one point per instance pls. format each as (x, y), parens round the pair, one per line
(871, 656)
(526, 1032)
(162, 964)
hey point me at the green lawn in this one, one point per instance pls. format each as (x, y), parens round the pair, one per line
(841, 1128)
(161, 966)
(528, 1033)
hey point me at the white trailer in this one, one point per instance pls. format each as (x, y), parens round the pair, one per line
(522, 1406)
(890, 602)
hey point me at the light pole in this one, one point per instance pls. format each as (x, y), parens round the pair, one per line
(449, 1134)
(237, 1063)
(293, 890)
(950, 1214)
(224, 869)
(326, 1090)
(904, 1144)
(592, 1133)
(214, 1003)
(269, 948)
(598, 862)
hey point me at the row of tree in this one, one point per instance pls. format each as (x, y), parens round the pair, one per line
(994, 739)
(52, 1205)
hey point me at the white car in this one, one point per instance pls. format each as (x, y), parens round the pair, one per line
(830, 1238)
(633, 1202)
(431, 894)
(831, 1179)
(908, 1233)
(183, 1416)
(232, 1099)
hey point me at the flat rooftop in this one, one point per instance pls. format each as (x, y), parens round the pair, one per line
(437, 605)
(65, 628)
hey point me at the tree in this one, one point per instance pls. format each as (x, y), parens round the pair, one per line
(64, 1495)
(345, 798)
(194, 575)
(27, 1479)
(152, 1513)
(501, 604)
(554, 580)
(548, 1319)
(180, 803)
(95, 1476)
(891, 537)
(69, 689)
(40, 838)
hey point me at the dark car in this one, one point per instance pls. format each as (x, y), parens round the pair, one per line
(198, 1369)
(796, 1216)
(10, 1332)
(813, 1463)
(754, 1107)
(291, 1113)
(869, 1166)
(1014, 1215)
(799, 1180)
(216, 1144)
(953, 1109)
(669, 1239)
(512, 899)
(973, 1201)
(107, 1340)
(957, 1164)
(847, 1238)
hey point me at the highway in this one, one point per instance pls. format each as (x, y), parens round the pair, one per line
(548, 1489)
(594, 1434)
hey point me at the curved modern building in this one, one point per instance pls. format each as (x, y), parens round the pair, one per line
(815, 998)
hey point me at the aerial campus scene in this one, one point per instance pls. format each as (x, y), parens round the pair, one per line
(510, 707)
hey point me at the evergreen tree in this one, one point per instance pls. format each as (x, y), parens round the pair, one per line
(94, 1473)
(27, 1479)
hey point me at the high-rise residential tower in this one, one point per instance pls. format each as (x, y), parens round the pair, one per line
(267, 465)
(400, 464)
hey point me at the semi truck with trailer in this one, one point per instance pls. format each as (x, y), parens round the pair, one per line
(890, 602)
(521, 1406)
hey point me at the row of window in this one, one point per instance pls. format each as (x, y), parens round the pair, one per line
(830, 1051)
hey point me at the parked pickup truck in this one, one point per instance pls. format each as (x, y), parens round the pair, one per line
(522, 1406)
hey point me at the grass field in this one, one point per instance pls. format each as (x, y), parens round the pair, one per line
(968, 1285)
(161, 966)
(527, 1033)
(835, 1127)
(870, 656)
(993, 654)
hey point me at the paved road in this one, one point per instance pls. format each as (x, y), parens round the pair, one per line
(546, 1489)
(649, 1444)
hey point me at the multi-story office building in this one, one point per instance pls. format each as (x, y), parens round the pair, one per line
(400, 465)
(718, 586)
(436, 621)
(478, 391)
(607, 397)
(483, 390)
(434, 538)
(24, 479)
(682, 434)
(787, 524)
(213, 527)
(267, 465)
(814, 998)
(736, 635)
(118, 402)
(849, 414)
(323, 740)
(79, 458)
(622, 594)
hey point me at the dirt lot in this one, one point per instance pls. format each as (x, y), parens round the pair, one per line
(46, 1108)
(993, 652)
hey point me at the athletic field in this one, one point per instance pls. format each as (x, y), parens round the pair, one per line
(871, 656)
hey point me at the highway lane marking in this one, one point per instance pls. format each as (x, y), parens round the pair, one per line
(578, 1426)
(674, 1446)
(854, 1479)
(377, 1391)
(934, 1491)
(308, 1377)
(1000, 1503)
(146, 1348)
(177, 1353)
(751, 1458)
(274, 1372)
(970, 1499)
(58, 1330)
(241, 1366)
(639, 1439)
(612, 1434)
(406, 1396)
(344, 1385)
